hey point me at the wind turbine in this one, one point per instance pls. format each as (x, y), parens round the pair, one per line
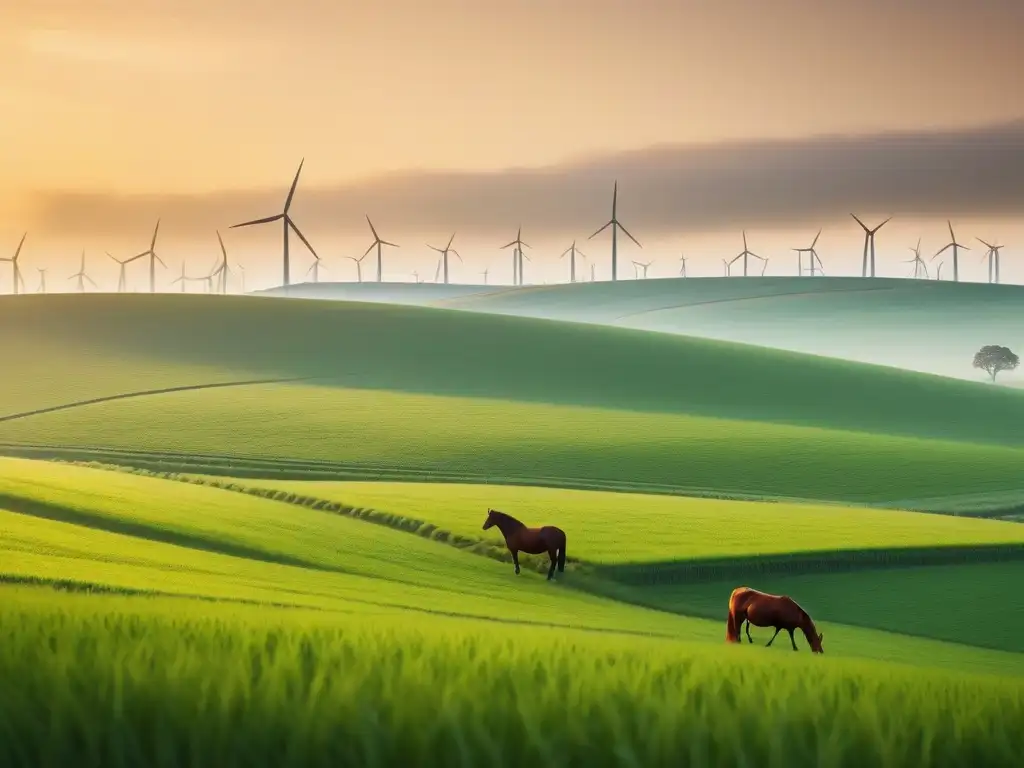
(16, 278)
(153, 258)
(82, 277)
(993, 259)
(869, 241)
(444, 256)
(728, 271)
(317, 265)
(222, 271)
(745, 254)
(616, 226)
(812, 257)
(286, 223)
(938, 274)
(645, 267)
(484, 273)
(593, 269)
(358, 262)
(956, 252)
(682, 265)
(572, 251)
(764, 266)
(122, 277)
(416, 277)
(378, 243)
(517, 257)
(241, 276)
(920, 268)
(181, 279)
(42, 279)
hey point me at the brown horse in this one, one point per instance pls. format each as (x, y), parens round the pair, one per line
(764, 610)
(532, 541)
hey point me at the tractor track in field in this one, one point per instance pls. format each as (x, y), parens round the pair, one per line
(148, 393)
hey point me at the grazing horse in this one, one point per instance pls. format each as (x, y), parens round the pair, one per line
(533, 541)
(764, 610)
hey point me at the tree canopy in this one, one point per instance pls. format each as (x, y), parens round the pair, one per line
(995, 359)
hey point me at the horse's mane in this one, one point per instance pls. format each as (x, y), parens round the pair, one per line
(505, 516)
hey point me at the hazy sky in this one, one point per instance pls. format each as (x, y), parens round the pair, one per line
(478, 116)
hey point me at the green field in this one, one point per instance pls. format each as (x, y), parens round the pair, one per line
(287, 565)
(886, 321)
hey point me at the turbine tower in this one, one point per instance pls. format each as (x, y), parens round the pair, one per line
(616, 226)
(181, 279)
(122, 276)
(920, 268)
(444, 256)
(745, 254)
(572, 252)
(812, 257)
(682, 265)
(869, 243)
(286, 224)
(153, 258)
(517, 257)
(16, 279)
(484, 273)
(993, 260)
(956, 252)
(82, 277)
(378, 243)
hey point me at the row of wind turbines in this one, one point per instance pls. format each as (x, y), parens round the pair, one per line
(808, 260)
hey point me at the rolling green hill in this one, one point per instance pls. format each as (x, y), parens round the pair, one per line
(392, 391)
(924, 325)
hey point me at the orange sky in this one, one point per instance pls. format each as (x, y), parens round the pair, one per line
(222, 97)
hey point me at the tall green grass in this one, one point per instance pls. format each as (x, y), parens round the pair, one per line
(102, 681)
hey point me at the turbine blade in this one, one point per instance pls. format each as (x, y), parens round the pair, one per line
(508, 246)
(816, 239)
(942, 249)
(223, 250)
(630, 236)
(863, 226)
(375, 236)
(372, 246)
(152, 243)
(450, 239)
(302, 237)
(291, 192)
(265, 220)
(602, 229)
(17, 251)
(161, 261)
(393, 245)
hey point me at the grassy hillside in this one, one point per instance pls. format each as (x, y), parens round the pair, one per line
(923, 325)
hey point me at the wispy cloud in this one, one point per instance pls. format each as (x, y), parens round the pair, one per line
(662, 190)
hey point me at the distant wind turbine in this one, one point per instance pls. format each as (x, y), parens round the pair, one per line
(812, 257)
(82, 277)
(745, 254)
(42, 279)
(572, 252)
(153, 258)
(18, 283)
(517, 257)
(616, 226)
(938, 273)
(317, 265)
(920, 268)
(444, 256)
(181, 279)
(377, 242)
(728, 272)
(222, 271)
(484, 273)
(416, 277)
(764, 266)
(358, 263)
(241, 276)
(956, 252)
(993, 260)
(286, 224)
(869, 243)
(642, 265)
(122, 276)
(682, 265)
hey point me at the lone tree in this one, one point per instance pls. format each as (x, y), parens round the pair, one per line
(994, 359)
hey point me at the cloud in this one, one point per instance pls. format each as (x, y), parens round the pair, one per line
(663, 190)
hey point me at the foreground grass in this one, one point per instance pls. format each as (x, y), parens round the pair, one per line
(93, 681)
(622, 528)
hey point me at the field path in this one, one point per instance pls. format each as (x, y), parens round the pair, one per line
(146, 393)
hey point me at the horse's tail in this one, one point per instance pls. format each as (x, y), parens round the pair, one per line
(732, 630)
(561, 555)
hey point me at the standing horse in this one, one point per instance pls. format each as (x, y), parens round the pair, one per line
(532, 541)
(764, 610)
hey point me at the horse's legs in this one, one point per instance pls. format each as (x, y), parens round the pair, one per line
(748, 633)
(515, 559)
(777, 630)
(551, 570)
(792, 640)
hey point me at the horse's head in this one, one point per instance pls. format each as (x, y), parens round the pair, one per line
(816, 643)
(492, 518)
